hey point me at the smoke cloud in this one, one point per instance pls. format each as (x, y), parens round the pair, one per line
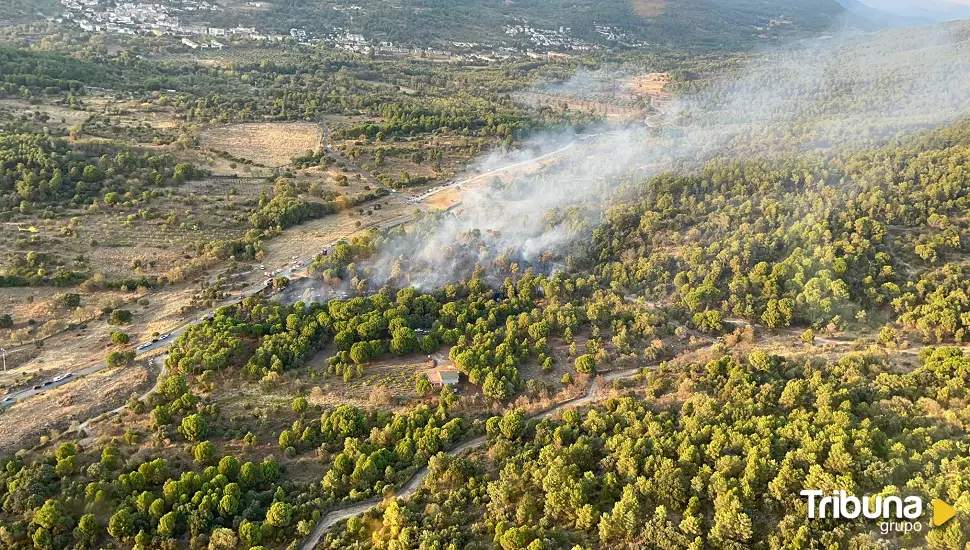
(842, 91)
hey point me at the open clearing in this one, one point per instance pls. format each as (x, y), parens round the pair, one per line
(444, 200)
(651, 84)
(270, 144)
(648, 8)
(395, 375)
(218, 166)
(77, 401)
(50, 115)
(312, 236)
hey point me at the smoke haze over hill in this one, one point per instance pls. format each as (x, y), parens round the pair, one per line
(826, 95)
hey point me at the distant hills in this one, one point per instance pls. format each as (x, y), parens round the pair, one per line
(660, 26)
(664, 24)
(908, 13)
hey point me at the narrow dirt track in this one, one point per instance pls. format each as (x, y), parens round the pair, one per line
(83, 428)
(348, 511)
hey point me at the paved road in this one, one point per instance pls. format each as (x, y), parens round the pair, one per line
(435, 190)
(292, 271)
(348, 511)
(91, 368)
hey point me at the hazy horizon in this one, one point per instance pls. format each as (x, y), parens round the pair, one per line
(935, 10)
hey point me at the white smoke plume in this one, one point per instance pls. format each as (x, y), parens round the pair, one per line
(841, 91)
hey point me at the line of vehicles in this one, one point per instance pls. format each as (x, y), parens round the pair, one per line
(52, 381)
(298, 262)
(428, 192)
(62, 377)
(147, 345)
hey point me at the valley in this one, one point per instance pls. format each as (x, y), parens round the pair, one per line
(526, 275)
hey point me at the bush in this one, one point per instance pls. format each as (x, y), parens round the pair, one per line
(585, 364)
(119, 317)
(120, 358)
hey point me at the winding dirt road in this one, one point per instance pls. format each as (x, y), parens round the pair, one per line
(83, 429)
(348, 511)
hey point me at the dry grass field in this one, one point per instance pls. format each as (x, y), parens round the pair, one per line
(648, 8)
(126, 242)
(24, 423)
(444, 200)
(231, 187)
(608, 106)
(614, 97)
(90, 338)
(396, 375)
(399, 156)
(40, 305)
(218, 166)
(651, 84)
(269, 144)
(311, 237)
(52, 116)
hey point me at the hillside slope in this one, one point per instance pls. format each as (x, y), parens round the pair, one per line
(696, 23)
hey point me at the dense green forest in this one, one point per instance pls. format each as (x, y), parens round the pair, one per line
(38, 171)
(766, 313)
(707, 454)
(712, 455)
(806, 241)
(24, 72)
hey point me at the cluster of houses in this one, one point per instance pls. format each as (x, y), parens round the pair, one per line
(161, 19)
(619, 35)
(180, 20)
(196, 45)
(549, 38)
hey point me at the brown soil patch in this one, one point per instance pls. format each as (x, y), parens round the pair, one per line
(58, 116)
(444, 199)
(270, 144)
(652, 84)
